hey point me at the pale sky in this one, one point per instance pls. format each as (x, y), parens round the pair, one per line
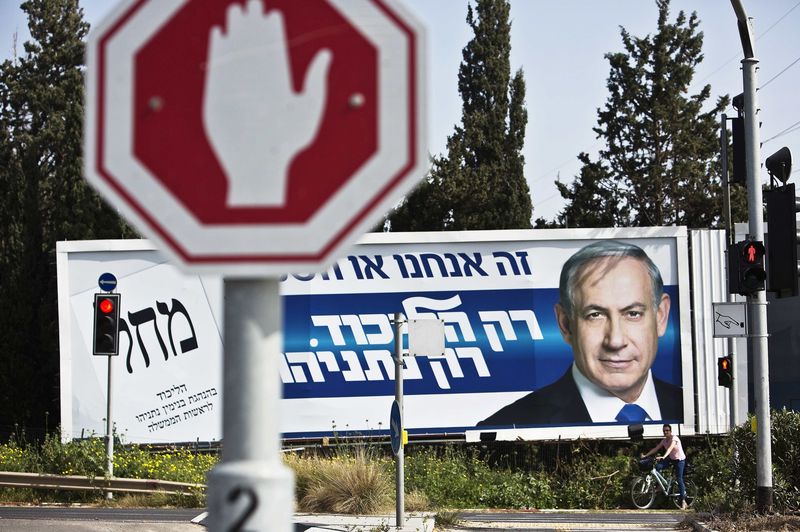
(560, 46)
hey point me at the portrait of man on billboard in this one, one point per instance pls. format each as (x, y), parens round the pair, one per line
(612, 310)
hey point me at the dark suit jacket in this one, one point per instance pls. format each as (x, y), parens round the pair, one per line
(560, 403)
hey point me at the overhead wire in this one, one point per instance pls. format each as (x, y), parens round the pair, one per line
(773, 78)
(737, 55)
(786, 131)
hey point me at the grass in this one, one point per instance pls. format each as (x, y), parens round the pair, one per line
(352, 482)
(350, 478)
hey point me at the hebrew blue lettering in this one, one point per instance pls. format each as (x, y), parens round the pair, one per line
(511, 261)
(523, 260)
(426, 259)
(454, 263)
(375, 266)
(473, 264)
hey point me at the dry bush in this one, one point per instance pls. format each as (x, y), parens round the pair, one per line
(354, 483)
(416, 501)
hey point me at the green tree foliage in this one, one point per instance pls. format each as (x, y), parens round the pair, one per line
(660, 163)
(44, 199)
(479, 184)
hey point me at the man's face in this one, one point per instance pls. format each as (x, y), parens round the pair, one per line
(614, 332)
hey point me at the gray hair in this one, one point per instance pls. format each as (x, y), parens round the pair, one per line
(600, 250)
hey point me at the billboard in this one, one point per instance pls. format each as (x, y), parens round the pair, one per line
(496, 292)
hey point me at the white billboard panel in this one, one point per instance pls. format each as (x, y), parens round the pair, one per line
(495, 291)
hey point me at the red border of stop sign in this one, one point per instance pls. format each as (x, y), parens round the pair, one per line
(147, 154)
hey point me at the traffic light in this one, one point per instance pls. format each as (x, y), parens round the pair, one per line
(106, 324)
(739, 175)
(725, 372)
(782, 234)
(746, 274)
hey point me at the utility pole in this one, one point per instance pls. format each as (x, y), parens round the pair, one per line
(730, 238)
(757, 302)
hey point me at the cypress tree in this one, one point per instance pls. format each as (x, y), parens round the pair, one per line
(479, 184)
(45, 199)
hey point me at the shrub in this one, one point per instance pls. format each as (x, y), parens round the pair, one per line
(725, 471)
(593, 480)
(353, 482)
(457, 477)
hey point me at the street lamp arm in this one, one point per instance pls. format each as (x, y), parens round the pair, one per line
(745, 29)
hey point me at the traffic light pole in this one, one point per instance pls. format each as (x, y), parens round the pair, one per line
(757, 302)
(730, 238)
(109, 432)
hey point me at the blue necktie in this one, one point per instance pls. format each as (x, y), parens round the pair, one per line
(632, 414)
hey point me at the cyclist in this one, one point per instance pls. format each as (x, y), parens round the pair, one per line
(673, 454)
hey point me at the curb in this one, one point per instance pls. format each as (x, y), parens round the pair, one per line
(414, 522)
(698, 525)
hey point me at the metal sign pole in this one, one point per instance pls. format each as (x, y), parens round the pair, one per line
(757, 312)
(109, 433)
(730, 238)
(398, 396)
(251, 488)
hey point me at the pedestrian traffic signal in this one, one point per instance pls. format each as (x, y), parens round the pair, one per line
(725, 371)
(782, 234)
(746, 273)
(106, 324)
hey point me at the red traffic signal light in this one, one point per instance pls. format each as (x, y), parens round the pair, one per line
(753, 252)
(106, 324)
(725, 371)
(746, 273)
(106, 306)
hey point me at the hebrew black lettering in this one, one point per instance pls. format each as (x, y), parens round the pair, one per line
(180, 403)
(148, 415)
(198, 410)
(123, 328)
(140, 318)
(187, 344)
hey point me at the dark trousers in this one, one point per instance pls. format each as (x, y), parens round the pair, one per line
(680, 465)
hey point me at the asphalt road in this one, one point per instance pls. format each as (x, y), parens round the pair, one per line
(91, 519)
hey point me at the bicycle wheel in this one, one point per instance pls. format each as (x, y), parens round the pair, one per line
(643, 492)
(675, 494)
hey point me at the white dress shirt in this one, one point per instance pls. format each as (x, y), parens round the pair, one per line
(603, 406)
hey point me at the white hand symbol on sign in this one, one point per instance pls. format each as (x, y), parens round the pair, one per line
(254, 121)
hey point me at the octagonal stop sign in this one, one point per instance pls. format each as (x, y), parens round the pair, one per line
(255, 137)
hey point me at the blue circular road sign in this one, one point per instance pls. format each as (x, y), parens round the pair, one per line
(396, 428)
(107, 282)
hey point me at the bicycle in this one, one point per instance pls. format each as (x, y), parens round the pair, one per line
(646, 487)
